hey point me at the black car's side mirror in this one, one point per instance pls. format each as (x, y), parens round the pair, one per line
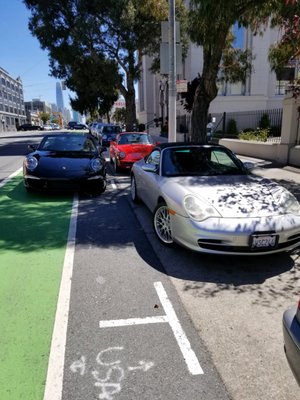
(32, 147)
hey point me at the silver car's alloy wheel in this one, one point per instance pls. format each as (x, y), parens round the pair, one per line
(162, 224)
(134, 195)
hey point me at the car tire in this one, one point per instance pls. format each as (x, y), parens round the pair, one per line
(103, 186)
(162, 224)
(133, 190)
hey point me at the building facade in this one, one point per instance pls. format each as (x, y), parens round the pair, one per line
(12, 108)
(59, 98)
(261, 91)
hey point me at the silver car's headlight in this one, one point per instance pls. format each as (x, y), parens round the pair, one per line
(31, 163)
(96, 165)
(288, 202)
(198, 209)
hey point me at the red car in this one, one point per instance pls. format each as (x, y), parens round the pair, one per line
(128, 148)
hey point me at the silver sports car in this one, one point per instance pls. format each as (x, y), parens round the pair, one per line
(291, 336)
(204, 198)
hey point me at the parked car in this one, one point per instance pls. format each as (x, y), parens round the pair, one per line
(109, 133)
(79, 126)
(55, 127)
(128, 148)
(204, 198)
(291, 337)
(48, 127)
(65, 161)
(97, 131)
(71, 124)
(29, 127)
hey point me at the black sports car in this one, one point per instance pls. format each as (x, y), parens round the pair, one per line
(29, 127)
(68, 161)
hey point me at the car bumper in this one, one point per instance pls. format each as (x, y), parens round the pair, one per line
(291, 336)
(233, 235)
(92, 183)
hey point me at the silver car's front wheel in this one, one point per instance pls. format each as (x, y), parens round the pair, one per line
(133, 190)
(162, 224)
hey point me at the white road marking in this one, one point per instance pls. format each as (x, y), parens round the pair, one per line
(171, 318)
(54, 381)
(133, 321)
(113, 184)
(182, 340)
(6, 180)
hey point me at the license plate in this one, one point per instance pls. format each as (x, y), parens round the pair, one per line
(263, 241)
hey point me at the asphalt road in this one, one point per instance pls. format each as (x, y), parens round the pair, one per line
(130, 296)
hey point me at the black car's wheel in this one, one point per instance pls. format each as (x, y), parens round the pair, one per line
(103, 186)
(134, 194)
(162, 224)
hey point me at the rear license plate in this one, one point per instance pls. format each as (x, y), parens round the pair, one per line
(263, 241)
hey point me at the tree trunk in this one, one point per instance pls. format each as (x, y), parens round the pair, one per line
(130, 106)
(199, 115)
(207, 89)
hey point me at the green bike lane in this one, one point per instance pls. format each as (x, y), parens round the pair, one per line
(33, 239)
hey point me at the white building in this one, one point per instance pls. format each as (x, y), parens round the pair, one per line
(262, 90)
(12, 109)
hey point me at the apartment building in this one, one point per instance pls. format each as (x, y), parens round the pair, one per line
(12, 109)
(261, 91)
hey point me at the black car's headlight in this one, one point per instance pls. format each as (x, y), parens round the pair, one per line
(198, 209)
(31, 163)
(96, 165)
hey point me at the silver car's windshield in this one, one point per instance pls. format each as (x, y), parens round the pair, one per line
(76, 143)
(201, 161)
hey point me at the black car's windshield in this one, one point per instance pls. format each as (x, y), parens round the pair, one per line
(76, 143)
(134, 138)
(200, 161)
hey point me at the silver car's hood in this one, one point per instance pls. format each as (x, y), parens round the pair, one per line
(231, 196)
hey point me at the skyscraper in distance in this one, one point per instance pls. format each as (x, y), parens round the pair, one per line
(59, 98)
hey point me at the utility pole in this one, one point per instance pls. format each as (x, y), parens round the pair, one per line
(172, 74)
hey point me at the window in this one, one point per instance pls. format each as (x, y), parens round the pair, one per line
(154, 158)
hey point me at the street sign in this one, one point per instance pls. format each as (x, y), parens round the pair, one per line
(181, 86)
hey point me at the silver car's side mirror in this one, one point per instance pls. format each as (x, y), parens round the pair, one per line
(249, 165)
(150, 168)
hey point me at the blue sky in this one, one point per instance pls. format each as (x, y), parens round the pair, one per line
(22, 56)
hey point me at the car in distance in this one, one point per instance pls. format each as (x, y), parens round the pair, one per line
(48, 127)
(128, 148)
(79, 126)
(29, 127)
(109, 134)
(291, 336)
(66, 161)
(204, 198)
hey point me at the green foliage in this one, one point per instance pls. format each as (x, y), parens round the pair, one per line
(232, 128)
(120, 115)
(44, 117)
(77, 34)
(260, 135)
(264, 121)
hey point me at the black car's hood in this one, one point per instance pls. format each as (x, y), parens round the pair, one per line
(63, 164)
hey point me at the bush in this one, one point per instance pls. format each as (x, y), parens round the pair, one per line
(275, 131)
(231, 128)
(264, 122)
(260, 135)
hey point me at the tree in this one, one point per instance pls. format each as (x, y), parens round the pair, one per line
(118, 30)
(44, 116)
(120, 115)
(211, 25)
